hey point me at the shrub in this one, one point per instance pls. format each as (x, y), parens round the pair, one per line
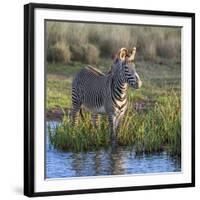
(75, 34)
(53, 33)
(107, 47)
(169, 48)
(156, 42)
(86, 53)
(58, 53)
(92, 54)
(146, 44)
(149, 51)
(112, 39)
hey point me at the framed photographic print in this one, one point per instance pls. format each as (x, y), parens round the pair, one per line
(108, 99)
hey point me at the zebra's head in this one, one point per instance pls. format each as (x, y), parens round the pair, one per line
(124, 64)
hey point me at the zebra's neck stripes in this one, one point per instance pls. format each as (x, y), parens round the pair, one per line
(118, 92)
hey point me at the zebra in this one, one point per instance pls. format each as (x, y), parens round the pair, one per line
(105, 93)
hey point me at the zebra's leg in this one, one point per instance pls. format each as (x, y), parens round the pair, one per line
(119, 119)
(74, 114)
(95, 119)
(112, 123)
(76, 105)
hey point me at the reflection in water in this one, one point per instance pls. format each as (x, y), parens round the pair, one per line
(102, 162)
(109, 161)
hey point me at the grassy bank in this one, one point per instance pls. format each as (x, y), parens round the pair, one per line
(152, 130)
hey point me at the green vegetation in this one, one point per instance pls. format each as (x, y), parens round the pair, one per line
(89, 43)
(153, 120)
(154, 130)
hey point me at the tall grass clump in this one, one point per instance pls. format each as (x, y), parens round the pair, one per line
(86, 53)
(111, 39)
(154, 130)
(58, 53)
(169, 48)
(79, 138)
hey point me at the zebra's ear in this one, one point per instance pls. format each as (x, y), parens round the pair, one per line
(123, 52)
(132, 55)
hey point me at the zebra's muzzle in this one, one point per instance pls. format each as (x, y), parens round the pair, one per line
(138, 81)
(139, 84)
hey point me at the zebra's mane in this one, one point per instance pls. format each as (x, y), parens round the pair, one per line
(95, 71)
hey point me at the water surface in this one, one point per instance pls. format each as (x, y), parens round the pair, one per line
(109, 161)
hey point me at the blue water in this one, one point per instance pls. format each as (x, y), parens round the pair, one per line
(110, 161)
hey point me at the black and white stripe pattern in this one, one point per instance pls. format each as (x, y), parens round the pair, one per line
(104, 93)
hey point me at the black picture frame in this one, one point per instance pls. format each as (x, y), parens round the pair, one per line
(29, 98)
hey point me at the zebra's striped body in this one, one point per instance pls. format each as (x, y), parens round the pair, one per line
(104, 93)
